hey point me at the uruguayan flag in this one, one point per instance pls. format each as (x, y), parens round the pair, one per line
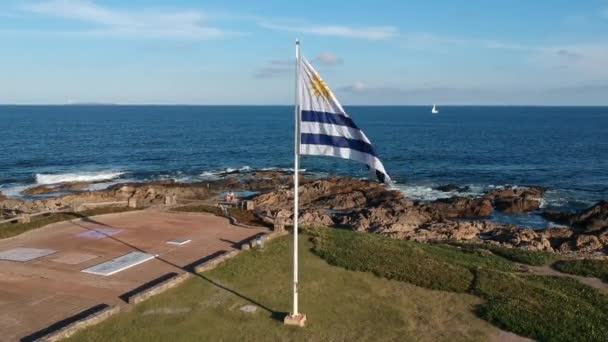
(326, 129)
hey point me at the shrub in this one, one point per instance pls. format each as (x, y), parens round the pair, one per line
(584, 267)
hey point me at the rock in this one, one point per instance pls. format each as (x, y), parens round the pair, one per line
(558, 216)
(316, 218)
(44, 189)
(352, 200)
(589, 220)
(593, 219)
(335, 193)
(452, 188)
(587, 243)
(464, 207)
(557, 233)
(603, 237)
(557, 236)
(2, 197)
(516, 200)
(566, 247)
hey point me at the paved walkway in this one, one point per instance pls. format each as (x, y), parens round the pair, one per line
(40, 292)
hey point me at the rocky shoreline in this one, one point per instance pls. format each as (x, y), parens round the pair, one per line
(365, 206)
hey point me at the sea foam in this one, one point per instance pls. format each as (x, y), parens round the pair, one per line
(45, 179)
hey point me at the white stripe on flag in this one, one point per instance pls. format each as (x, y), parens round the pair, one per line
(335, 130)
(344, 153)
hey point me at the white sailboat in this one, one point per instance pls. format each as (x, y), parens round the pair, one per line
(434, 110)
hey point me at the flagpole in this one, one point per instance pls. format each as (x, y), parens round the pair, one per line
(296, 318)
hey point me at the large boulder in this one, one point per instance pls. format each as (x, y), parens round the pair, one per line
(514, 200)
(587, 243)
(557, 236)
(593, 219)
(464, 207)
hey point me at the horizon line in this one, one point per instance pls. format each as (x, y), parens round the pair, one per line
(101, 104)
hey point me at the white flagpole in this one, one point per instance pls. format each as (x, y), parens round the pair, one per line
(296, 195)
(296, 318)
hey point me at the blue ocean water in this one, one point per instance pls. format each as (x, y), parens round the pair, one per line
(562, 148)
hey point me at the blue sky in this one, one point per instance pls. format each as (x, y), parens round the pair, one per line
(240, 52)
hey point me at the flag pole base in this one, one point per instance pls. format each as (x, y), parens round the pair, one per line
(298, 320)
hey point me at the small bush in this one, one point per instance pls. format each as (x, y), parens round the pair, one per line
(584, 267)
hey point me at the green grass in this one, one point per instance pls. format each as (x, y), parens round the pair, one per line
(584, 267)
(533, 258)
(543, 308)
(12, 229)
(439, 267)
(341, 305)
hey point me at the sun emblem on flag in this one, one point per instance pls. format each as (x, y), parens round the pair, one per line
(319, 87)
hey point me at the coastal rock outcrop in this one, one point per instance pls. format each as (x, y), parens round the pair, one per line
(514, 200)
(464, 207)
(45, 189)
(334, 194)
(369, 207)
(592, 219)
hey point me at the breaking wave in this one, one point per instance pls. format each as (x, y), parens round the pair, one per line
(45, 179)
(428, 193)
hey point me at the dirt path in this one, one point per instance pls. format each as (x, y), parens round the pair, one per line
(548, 271)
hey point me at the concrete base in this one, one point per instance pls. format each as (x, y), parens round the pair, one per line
(297, 320)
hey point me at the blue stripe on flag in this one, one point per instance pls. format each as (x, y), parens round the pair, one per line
(330, 140)
(330, 118)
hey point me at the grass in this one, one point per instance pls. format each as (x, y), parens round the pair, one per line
(439, 267)
(341, 305)
(584, 267)
(12, 229)
(533, 258)
(543, 308)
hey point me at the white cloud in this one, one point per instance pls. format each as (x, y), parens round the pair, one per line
(329, 59)
(367, 33)
(143, 23)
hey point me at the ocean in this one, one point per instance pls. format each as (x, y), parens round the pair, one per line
(562, 148)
